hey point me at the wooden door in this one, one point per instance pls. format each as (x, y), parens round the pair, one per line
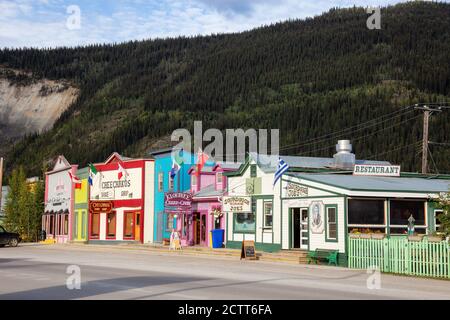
(137, 230)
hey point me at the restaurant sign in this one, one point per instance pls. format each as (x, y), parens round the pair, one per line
(237, 204)
(100, 206)
(178, 199)
(376, 170)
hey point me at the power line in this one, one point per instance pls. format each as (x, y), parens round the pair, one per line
(395, 149)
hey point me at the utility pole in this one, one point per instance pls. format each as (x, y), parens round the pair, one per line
(427, 111)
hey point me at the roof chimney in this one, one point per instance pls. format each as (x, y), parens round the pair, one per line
(344, 158)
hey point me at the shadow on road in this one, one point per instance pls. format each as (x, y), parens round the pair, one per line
(97, 287)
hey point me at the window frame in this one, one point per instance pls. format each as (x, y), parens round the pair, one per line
(168, 215)
(171, 182)
(266, 202)
(161, 181)
(253, 171)
(235, 214)
(436, 224)
(405, 226)
(327, 237)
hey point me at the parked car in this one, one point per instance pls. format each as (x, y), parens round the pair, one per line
(9, 238)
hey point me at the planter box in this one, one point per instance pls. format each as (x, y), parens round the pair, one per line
(354, 235)
(435, 238)
(415, 238)
(378, 236)
(365, 236)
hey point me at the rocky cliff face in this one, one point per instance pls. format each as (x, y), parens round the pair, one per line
(30, 106)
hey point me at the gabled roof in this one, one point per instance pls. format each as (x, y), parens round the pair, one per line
(227, 166)
(116, 157)
(373, 183)
(61, 163)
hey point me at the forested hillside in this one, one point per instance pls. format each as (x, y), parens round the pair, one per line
(307, 77)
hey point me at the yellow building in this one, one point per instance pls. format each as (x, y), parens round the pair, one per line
(80, 217)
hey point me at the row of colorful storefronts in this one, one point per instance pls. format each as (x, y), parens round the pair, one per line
(315, 204)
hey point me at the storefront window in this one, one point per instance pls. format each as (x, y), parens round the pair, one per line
(52, 225)
(401, 210)
(268, 217)
(111, 225)
(169, 222)
(365, 212)
(219, 177)
(331, 223)
(437, 223)
(244, 222)
(95, 225)
(66, 224)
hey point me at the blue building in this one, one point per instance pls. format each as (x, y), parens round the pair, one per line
(163, 222)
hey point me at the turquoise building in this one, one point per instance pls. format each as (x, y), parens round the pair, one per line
(163, 222)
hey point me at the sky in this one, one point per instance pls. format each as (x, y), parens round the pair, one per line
(54, 23)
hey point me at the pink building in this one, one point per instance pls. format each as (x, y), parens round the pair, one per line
(207, 189)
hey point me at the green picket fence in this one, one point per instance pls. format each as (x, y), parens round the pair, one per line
(399, 255)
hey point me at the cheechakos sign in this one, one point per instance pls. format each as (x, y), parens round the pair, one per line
(100, 206)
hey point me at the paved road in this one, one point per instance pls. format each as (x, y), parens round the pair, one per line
(39, 272)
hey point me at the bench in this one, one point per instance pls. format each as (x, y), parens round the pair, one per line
(320, 254)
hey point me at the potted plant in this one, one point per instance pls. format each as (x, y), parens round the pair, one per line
(365, 234)
(435, 237)
(354, 233)
(415, 237)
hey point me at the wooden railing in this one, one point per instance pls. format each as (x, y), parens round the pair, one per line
(399, 255)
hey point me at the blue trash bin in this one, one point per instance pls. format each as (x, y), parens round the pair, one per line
(217, 238)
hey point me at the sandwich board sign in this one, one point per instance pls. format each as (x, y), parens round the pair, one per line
(248, 251)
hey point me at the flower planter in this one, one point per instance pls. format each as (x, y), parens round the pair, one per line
(365, 236)
(354, 235)
(435, 238)
(378, 236)
(415, 238)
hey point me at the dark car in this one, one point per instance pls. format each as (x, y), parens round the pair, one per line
(9, 238)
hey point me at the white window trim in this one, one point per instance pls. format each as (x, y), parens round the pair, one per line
(264, 214)
(328, 223)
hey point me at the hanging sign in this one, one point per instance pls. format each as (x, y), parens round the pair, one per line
(100, 206)
(317, 217)
(376, 170)
(237, 204)
(178, 199)
(248, 250)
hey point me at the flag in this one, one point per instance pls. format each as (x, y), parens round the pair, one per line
(92, 173)
(281, 168)
(202, 158)
(122, 172)
(175, 169)
(75, 180)
(177, 161)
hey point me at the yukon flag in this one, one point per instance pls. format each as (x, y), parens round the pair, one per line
(122, 172)
(75, 180)
(92, 173)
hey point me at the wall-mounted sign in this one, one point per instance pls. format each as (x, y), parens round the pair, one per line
(294, 190)
(100, 206)
(178, 199)
(59, 191)
(107, 186)
(237, 204)
(376, 170)
(317, 222)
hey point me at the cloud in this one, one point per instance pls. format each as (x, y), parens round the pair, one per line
(42, 23)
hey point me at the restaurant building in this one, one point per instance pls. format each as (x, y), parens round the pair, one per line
(319, 202)
(121, 202)
(81, 207)
(59, 201)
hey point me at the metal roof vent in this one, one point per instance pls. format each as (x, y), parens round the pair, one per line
(344, 158)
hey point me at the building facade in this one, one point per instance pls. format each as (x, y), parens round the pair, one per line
(59, 201)
(81, 208)
(164, 221)
(121, 201)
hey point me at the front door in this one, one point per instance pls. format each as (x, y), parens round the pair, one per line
(203, 228)
(299, 229)
(137, 228)
(197, 228)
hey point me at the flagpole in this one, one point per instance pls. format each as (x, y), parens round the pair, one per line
(1, 180)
